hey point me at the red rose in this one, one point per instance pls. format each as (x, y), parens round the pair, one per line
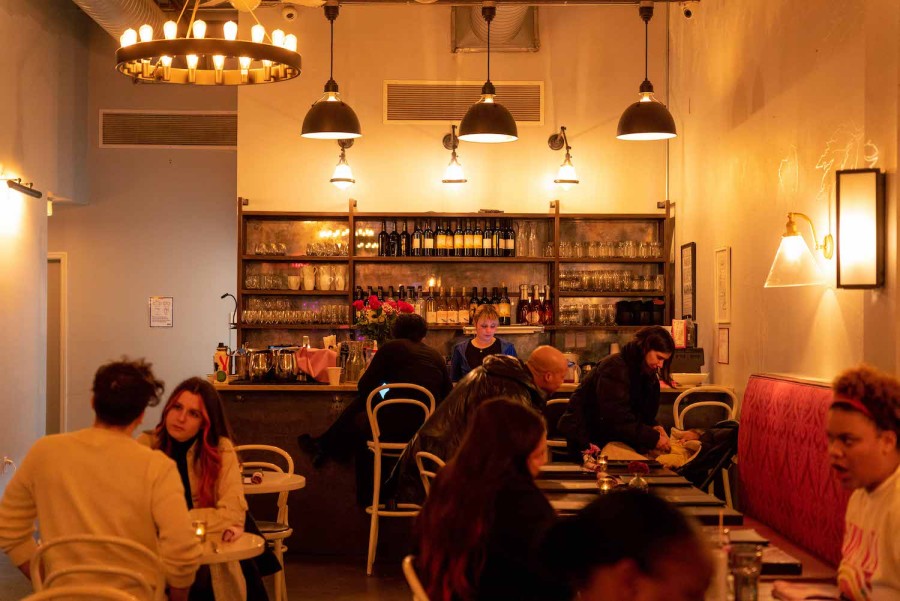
(374, 303)
(405, 307)
(638, 467)
(359, 305)
(391, 304)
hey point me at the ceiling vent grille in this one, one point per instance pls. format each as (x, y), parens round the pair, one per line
(168, 129)
(445, 101)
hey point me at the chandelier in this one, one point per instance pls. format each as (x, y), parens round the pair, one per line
(196, 59)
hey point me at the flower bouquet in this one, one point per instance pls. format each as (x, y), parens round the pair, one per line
(638, 470)
(376, 318)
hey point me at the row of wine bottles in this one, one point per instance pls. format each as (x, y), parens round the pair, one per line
(449, 308)
(448, 239)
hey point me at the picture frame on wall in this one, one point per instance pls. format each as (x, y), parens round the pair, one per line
(722, 350)
(689, 279)
(722, 283)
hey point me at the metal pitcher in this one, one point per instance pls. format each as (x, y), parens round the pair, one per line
(285, 365)
(259, 365)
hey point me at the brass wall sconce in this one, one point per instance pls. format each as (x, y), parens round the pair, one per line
(454, 173)
(566, 176)
(795, 264)
(27, 189)
(860, 228)
(342, 177)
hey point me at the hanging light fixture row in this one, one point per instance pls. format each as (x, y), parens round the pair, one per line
(196, 59)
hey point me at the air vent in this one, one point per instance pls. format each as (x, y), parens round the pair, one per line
(168, 129)
(445, 101)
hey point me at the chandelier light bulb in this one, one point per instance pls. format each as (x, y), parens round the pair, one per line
(192, 61)
(278, 38)
(146, 33)
(219, 62)
(128, 38)
(290, 42)
(166, 61)
(245, 62)
(257, 33)
(199, 29)
(231, 30)
(170, 30)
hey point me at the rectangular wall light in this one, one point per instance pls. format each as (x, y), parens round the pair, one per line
(860, 228)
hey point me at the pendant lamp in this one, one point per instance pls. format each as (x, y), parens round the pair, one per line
(342, 178)
(648, 118)
(331, 118)
(488, 121)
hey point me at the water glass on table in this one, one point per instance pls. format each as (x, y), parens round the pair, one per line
(746, 565)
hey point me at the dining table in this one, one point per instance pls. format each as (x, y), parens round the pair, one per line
(215, 550)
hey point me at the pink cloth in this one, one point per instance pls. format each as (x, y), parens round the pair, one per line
(315, 362)
(785, 479)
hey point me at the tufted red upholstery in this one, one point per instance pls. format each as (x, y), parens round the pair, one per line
(785, 481)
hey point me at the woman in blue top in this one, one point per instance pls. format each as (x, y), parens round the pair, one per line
(468, 354)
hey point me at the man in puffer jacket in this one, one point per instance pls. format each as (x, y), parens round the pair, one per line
(499, 376)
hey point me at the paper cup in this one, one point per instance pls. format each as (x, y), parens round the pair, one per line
(334, 376)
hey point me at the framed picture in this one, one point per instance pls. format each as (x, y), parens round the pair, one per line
(723, 285)
(722, 346)
(689, 279)
(161, 311)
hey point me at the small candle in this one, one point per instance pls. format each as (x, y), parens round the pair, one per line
(200, 530)
(602, 463)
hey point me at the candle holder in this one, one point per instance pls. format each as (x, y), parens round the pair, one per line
(199, 530)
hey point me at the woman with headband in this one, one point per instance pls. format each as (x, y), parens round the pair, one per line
(618, 400)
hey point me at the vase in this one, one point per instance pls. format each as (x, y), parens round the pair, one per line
(638, 482)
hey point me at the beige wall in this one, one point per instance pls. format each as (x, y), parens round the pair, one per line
(591, 62)
(772, 96)
(157, 223)
(41, 140)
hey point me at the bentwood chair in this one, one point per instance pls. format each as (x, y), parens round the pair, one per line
(43, 577)
(557, 445)
(730, 409)
(412, 579)
(274, 532)
(382, 449)
(428, 473)
(81, 592)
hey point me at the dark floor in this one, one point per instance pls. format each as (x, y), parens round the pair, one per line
(308, 579)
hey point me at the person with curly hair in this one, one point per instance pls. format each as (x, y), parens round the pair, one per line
(864, 451)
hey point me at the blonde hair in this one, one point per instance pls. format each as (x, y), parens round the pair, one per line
(485, 311)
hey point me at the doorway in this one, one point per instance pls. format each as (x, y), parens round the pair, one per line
(57, 328)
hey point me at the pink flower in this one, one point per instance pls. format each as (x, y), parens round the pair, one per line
(638, 467)
(374, 303)
(359, 305)
(389, 307)
(405, 307)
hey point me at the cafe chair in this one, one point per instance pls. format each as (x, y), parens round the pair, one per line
(426, 474)
(412, 579)
(382, 449)
(93, 591)
(42, 579)
(274, 532)
(557, 445)
(730, 411)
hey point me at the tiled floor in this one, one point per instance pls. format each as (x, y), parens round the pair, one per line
(308, 579)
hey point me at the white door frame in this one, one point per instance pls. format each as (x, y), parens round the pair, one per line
(63, 259)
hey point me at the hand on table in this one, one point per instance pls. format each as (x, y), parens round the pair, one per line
(663, 443)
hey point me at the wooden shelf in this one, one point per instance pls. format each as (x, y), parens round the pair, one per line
(295, 326)
(282, 216)
(536, 260)
(253, 292)
(652, 261)
(630, 294)
(592, 328)
(612, 216)
(444, 216)
(294, 259)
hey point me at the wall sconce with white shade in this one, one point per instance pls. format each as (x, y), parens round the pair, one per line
(454, 173)
(566, 176)
(795, 264)
(860, 228)
(342, 178)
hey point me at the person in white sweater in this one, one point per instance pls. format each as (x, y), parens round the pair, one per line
(864, 450)
(193, 431)
(101, 481)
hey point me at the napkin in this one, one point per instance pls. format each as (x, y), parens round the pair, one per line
(316, 362)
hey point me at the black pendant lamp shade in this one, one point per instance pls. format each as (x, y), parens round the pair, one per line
(331, 118)
(488, 121)
(646, 119)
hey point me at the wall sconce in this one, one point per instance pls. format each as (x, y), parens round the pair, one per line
(860, 228)
(342, 177)
(794, 263)
(453, 174)
(566, 176)
(27, 189)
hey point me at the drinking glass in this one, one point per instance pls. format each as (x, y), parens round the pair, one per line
(578, 250)
(594, 250)
(594, 313)
(548, 249)
(746, 565)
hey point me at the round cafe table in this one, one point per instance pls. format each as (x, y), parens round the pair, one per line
(274, 482)
(215, 550)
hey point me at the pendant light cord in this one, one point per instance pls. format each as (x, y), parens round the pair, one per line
(489, 49)
(646, 48)
(331, 63)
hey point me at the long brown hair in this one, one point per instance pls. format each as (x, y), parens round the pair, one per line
(214, 426)
(453, 527)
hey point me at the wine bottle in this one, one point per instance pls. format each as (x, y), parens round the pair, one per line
(511, 249)
(441, 308)
(495, 296)
(487, 240)
(452, 308)
(504, 309)
(431, 308)
(497, 245)
(462, 308)
(477, 234)
(428, 249)
(547, 318)
(459, 242)
(440, 241)
(419, 305)
(469, 239)
(383, 241)
(390, 294)
(522, 305)
(404, 240)
(416, 245)
(485, 299)
(394, 241)
(535, 307)
(380, 294)
(473, 304)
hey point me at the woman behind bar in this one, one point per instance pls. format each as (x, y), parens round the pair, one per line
(479, 530)
(469, 354)
(193, 431)
(617, 402)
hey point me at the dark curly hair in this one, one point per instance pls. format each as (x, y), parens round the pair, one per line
(123, 390)
(877, 391)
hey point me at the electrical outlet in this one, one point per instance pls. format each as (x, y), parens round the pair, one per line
(6, 463)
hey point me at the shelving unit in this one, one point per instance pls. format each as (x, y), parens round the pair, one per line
(296, 230)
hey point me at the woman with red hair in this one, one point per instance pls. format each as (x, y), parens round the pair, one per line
(193, 431)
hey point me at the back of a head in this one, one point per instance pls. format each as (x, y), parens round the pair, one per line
(546, 358)
(123, 390)
(409, 326)
(501, 428)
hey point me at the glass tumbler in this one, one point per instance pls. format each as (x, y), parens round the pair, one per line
(746, 565)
